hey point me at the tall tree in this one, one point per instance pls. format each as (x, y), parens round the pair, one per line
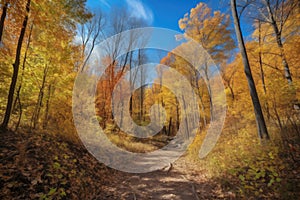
(261, 124)
(277, 21)
(2, 19)
(16, 66)
(276, 13)
(89, 33)
(213, 32)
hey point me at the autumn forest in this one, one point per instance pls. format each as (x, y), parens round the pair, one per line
(83, 115)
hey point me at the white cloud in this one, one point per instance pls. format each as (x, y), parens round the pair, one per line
(139, 10)
(105, 3)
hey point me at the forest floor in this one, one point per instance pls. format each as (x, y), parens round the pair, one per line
(43, 166)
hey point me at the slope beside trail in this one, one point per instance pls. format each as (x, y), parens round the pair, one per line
(43, 166)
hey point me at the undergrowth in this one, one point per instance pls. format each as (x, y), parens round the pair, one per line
(249, 167)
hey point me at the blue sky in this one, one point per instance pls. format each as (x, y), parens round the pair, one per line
(159, 13)
(162, 13)
(166, 13)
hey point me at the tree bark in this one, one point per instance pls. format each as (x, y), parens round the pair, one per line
(2, 19)
(17, 99)
(16, 66)
(260, 121)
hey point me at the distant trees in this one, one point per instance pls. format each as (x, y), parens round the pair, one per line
(90, 33)
(56, 40)
(117, 65)
(213, 32)
(276, 13)
(44, 49)
(16, 66)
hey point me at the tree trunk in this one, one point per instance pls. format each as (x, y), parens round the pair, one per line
(131, 83)
(23, 70)
(177, 115)
(2, 20)
(141, 113)
(203, 110)
(185, 117)
(21, 112)
(262, 73)
(231, 91)
(285, 64)
(200, 97)
(46, 116)
(207, 79)
(277, 32)
(16, 65)
(261, 125)
(170, 127)
(39, 104)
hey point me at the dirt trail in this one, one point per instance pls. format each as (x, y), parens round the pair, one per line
(183, 182)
